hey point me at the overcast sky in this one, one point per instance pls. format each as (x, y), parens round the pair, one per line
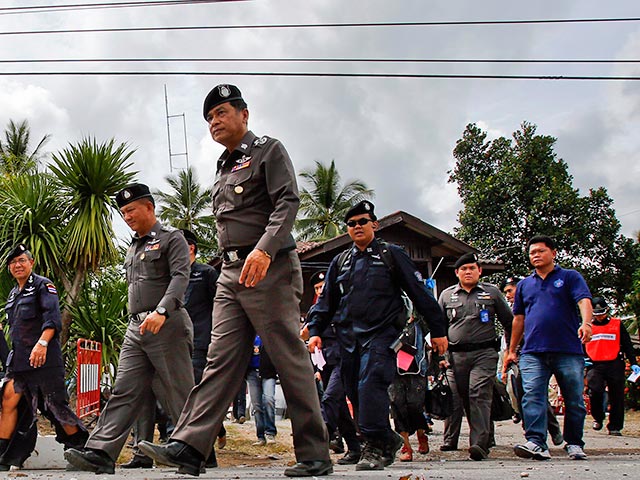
(395, 134)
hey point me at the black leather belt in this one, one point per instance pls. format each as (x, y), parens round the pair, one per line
(139, 317)
(234, 254)
(471, 347)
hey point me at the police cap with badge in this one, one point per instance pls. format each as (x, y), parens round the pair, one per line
(317, 278)
(465, 259)
(365, 206)
(16, 252)
(133, 192)
(190, 237)
(218, 95)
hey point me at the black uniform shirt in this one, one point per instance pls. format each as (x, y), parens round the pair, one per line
(255, 196)
(157, 267)
(199, 302)
(368, 298)
(29, 312)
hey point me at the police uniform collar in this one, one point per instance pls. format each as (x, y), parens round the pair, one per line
(153, 233)
(244, 147)
(478, 286)
(370, 249)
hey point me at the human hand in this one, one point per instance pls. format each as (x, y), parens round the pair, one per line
(439, 345)
(509, 358)
(38, 356)
(255, 268)
(584, 332)
(314, 342)
(152, 323)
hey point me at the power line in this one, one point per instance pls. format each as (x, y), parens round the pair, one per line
(99, 6)
(321, 25)
(321, 60)
(328, 74)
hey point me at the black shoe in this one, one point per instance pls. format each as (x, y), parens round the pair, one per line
(90, 460)
(138, 462)
(389, 452)
(350, 458)
(176, 454)
(212, 461)
(448, 448)
(477, 453)
(336, 445)
(310, 468)
(597, 425)
(371, 458)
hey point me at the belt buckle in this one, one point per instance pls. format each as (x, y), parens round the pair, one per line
(232, 255)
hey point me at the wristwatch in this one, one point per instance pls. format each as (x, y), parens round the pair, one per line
(44, 343)
(162, 311)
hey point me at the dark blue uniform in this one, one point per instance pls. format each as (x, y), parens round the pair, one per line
(198, 301)
(30, 311)
(363, 298)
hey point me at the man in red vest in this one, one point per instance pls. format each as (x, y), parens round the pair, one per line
(610, 341)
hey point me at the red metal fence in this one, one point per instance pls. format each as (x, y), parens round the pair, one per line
(89, 362)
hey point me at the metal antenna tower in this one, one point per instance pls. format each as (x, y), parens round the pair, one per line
(185, 153)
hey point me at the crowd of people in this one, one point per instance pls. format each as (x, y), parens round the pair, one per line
(380, 330)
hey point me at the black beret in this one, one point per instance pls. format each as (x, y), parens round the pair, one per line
(317, 278)
(190, 237)
(510, 281)
(466, 258)
(17, 251)
(220, 94)
(599, 305)
(365, 206)
(131, 193)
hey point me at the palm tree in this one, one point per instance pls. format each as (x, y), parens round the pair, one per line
(15, 154)
(88, 175)
(185, 207)
(323, 206)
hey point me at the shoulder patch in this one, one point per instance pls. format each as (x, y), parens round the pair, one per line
(260, 141)
(52, 288)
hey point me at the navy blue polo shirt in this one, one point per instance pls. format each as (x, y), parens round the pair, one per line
(551, 315)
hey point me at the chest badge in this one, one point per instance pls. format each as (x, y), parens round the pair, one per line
(242, 165)
(238, 189)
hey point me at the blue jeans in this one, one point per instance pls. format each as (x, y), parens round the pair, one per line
(263, 398)
(536, 370)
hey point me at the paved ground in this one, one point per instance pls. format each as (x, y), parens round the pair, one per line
(609, 458)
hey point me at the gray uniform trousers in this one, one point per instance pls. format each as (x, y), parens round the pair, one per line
(271, 309)
(167, 356)
(453, 423)
(474, 373)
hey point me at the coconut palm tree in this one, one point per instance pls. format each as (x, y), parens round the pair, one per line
(188, 206)
(324, 204)
(15, 154)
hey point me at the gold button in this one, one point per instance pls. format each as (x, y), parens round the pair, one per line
(238, 189)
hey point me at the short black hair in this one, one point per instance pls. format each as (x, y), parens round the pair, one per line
(548, 241)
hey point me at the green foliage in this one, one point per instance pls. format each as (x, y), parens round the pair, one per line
(324, 204)
(15, 155)
(185, 207)
(100, 314)
(89, 176)
(514, 189)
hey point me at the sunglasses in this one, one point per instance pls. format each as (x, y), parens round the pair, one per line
(361, 221)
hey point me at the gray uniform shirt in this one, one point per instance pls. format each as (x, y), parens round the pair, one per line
(463, 313)
(255, 196)
(157, 267)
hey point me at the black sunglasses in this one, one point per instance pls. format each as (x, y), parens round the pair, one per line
(361, 221)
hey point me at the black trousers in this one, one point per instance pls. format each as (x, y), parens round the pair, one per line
(609, 375)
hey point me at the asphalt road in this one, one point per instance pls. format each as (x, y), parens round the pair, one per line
(609, 458)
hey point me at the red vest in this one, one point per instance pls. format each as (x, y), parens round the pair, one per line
(605, 341)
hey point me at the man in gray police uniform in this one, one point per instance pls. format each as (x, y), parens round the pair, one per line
(159, 336)
(255, 201)
(472, 308)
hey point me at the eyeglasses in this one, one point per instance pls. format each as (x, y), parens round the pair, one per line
(19, 261)
(361, 221)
